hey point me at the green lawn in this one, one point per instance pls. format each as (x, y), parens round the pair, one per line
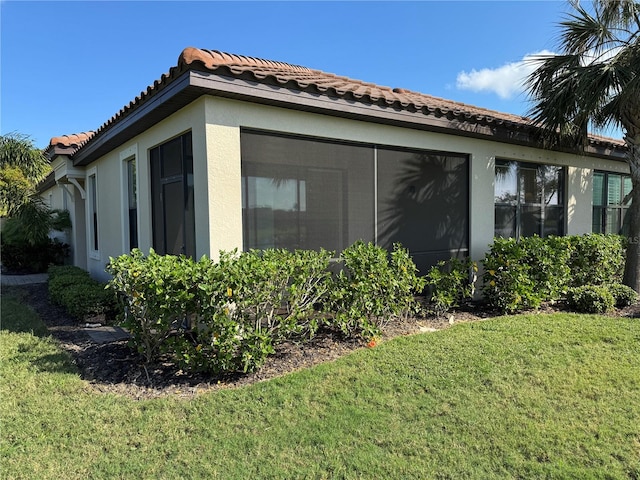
(530, 396)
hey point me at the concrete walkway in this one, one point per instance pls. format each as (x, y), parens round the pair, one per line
(17, 280)
(98, 333)
(105, 334)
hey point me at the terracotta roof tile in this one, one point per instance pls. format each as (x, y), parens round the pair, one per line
(74, 140)
(341, 86)
(301, 78)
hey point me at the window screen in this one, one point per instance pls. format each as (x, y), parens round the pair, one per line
(172, 197)
(304, 193)
(423, 203)
(611, 200)
(301, 193)
(132, 202)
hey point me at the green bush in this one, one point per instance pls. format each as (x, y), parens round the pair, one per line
(250, 303)
(228, 316)
(372, 288)
(590, 299)
(80, 295)
(26, 258)
(26, 246)
(157, 294)
(66, 270)
(62, 278)
(508, 283)
(548, 261)
(622, 294)
(220, 317)
(450, 283)
(596, 259)
(522, 274)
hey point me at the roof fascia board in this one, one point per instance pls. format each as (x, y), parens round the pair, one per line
(92, 151)
(496, 130)
(321, 103)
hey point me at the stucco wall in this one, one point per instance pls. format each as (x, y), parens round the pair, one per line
(55, 199)
(112, 193)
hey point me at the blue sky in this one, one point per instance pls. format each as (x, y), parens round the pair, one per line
(68, 67)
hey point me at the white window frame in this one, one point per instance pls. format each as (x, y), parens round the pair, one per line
(126, 155)
(93, 205)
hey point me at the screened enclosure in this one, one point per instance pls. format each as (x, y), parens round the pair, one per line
(307, 193)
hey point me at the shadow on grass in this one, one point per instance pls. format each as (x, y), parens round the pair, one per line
(32, 343)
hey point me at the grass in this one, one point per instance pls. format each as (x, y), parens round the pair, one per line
(529, 396)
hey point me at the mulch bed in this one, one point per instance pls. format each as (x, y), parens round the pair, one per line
(116, 368)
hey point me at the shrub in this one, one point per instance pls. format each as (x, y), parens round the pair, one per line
(229, 315)
(55, 271)
(450, 283)
(276, 289)
(372, 288)
(590, 299)
(522, 274)
(548, 260)
(508, 284)
(26, 258)
(622, 294)
(219, 317)
(75, 290)
(252, 302)
(596, 259)
(26, 246)
(157, 294)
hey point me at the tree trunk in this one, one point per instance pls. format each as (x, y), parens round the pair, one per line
(632, 264)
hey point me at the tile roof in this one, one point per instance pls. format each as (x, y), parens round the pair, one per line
(74, 140)
(302, 78)
(317, 82)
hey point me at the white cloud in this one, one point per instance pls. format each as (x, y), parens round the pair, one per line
(506, 81)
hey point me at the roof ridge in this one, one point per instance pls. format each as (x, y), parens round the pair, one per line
(72, 139)
(213, 59)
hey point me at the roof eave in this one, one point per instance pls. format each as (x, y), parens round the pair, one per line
(447, 122)
(193, 83)
(47, 183)
(156, 107)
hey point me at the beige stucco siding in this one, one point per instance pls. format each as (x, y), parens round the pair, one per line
(112, 195)
(54, 198)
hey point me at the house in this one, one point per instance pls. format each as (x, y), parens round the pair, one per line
(228, 151)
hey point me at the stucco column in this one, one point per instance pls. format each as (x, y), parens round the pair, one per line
(224, 182)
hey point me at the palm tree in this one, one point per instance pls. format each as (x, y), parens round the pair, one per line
(595, 82)
(22, 167)
(25, 244)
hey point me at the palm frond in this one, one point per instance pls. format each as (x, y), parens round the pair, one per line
(582, 33)
(595, 80)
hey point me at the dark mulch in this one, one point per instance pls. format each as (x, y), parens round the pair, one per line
(117, 368)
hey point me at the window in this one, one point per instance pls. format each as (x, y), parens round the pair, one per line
(529, 200)
(306, 193)
(132, 203)
(172, 197)
(92, 197)
(423, 203)
(611, 200)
